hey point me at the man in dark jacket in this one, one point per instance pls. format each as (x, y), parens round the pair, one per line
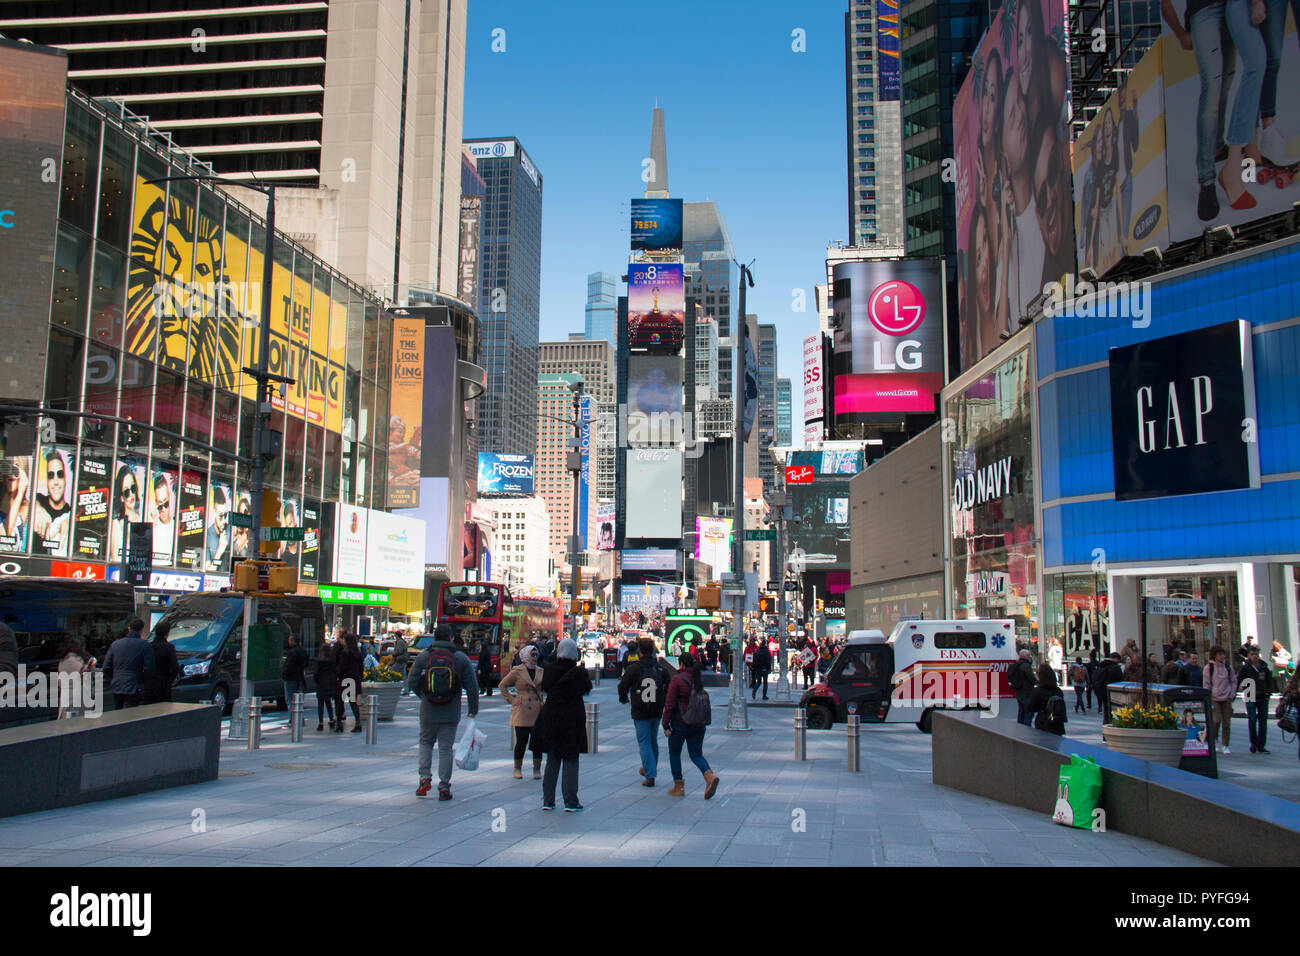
(761, 668)
(645, 684)
(485, 670)
(294, 671)
(1022, 681)
(1256, 680)
(711, 652)
(128, 664)
(158, 688)
(1109, 671)
(438, 721)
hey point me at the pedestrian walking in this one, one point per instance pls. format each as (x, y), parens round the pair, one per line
(485, 670)
(1194, 674)
(1256, 680)
(401, 657)
(158, 687)
(1021, 678)
(1222, 682)
(73, 662)
(684, 726)
(128, 663)
(439, 674)
(762, 668)
(326, 672)
(525, 704)
(645, 685)
(294, 670)
(711, 652)
(1079, 681)
(351, 671)
(561, 728)
(1108, 672)
(1047, 702)
(1091, 689)
(622, 657)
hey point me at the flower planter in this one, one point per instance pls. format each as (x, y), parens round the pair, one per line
(1157, 746)
(387, 692)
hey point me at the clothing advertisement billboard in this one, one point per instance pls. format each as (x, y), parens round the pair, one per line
(656, 307)
(656, 224)
(350, 544)
(654, 493)
(654, 399)
(394, 551)
(1120, 189)
(501, 474)
(406, 408)
(1015, 214)
(713, 543)
(888, 341)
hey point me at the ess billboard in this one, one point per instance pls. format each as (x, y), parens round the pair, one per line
(888, 343)
(656, 307)
(814, 393)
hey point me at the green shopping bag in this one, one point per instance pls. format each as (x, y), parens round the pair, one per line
(1078, 792)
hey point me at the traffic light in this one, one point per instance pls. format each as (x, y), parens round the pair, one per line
(709, 598)
(585, 606)
(821, 605)
(767, 605)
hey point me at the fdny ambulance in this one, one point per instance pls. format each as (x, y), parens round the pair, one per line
(920, 667)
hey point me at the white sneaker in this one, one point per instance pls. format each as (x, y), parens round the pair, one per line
(1226, 750)
(1275, 146)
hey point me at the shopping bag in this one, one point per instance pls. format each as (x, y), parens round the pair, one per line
(1288, 715)
(1078, 791)
(469, 744)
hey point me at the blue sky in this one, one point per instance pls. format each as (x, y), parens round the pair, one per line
(752, 125)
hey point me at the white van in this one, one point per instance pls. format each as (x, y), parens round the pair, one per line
(920, 667)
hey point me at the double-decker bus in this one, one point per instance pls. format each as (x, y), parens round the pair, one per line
(539, 617)
(479, 612)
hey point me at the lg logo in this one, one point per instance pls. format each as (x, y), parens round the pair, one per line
(897, 308)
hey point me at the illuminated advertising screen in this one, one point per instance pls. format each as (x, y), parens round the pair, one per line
(309, 568)
(654, 400)
(654, 493)
(160, 505)
(1015, 212)
(217, 536)
(605, 520)
(713, 543)
(649, 559)
(406, 409)
(656, 307)
(813, 384)
(887, 49)
(888, 342)
(350, 544)
(94, 491)
(501, 474)
(394, 551)
(52, 506)
(656, 224)
(189, 518)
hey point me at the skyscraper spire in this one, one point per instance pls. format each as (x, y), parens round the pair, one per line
(657, 184)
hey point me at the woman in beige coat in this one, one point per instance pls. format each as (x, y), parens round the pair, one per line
(525, 705)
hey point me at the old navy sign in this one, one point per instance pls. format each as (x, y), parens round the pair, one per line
(982, 485)
(1183, 414)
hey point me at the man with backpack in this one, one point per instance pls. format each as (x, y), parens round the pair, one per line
(438, 676)
(645, 684)
(1021, 679)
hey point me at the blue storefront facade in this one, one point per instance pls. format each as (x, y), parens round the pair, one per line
(1169, 460)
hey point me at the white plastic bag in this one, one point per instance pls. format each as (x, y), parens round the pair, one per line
(469, 744)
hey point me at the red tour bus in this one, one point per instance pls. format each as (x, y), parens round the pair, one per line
(536, 616)
(479, 612)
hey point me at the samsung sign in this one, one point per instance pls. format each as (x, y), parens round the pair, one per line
(1183, 414)
(500, 474)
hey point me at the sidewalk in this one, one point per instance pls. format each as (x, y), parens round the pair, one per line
(332, 801)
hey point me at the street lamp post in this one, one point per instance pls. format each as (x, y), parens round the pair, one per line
(575, 466)
(737, 709)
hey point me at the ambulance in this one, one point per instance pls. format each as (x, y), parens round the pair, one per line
(920, 667)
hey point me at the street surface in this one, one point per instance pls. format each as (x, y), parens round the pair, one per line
(332, 801)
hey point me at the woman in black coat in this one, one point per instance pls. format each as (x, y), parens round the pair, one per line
(326, 672)
(1040, 699)
(351, 673)
(485, 670)
(561, 728)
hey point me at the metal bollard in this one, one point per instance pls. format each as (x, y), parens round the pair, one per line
(255, 724)
(801, 733)
(372, 720)
(599, 668)
(855, 752)
(296, 707)
(593, 728)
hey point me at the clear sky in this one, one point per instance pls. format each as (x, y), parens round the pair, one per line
(752, 125)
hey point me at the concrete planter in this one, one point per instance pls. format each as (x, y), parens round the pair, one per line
(387, 692)
(1157, 746)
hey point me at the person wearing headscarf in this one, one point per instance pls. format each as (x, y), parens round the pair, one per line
(525, 704)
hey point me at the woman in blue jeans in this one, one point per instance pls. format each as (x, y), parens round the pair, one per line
(685, 683)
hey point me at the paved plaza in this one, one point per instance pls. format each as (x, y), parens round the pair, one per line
(332, 801)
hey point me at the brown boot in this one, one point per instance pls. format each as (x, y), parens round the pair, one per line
(537, 768)
(710, 784)
(519, 770)
(679, 789)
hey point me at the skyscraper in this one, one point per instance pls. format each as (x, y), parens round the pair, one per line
(602, 307)
(508, 297)
(594, 361)
(765, 348)
(553, 482)
(874, 123)
(784, 419)
(330, 94)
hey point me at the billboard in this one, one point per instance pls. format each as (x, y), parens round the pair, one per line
(90, 514)
(650, 559)
(52, 506)
(713, 543)
(1120, 187)
(15, 498)
(605, 520)
(887, 87)
(501, 474)
(814, 394)
(654, 493)
(350, 544)
(1015, 215)
(406, 408)
(656, 307)
(471, 218)
(656, 224)
(654, 399)
(394, 551)
(217, 537)
(584, 476)
(189, 521)
(888, 339)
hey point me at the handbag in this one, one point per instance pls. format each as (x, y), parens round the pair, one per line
(1288, 716)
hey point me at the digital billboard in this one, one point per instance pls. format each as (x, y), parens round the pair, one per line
(217, 535)
(713, 543)
(656, 224)
(654, 493)
(887, 50)
(1015, 214)
(650, 559)
(654, 399)
(888, 336)
(813, 385)
(406, 410)
(394, 551)
(605, 519)
(94, 492)
(350, 525)
(656, 307)
(189, 521)
(52, 506)
(501, 474)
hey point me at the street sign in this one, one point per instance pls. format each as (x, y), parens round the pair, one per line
(1188, 607)
(238, 520)
(282, 534)
(792, 585)
(760, 534)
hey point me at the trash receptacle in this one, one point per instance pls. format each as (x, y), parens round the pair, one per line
(609, 662)
(1192, 704)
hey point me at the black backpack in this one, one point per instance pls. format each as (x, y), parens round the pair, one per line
(655, 672)
(441, 686)
(1015, 676)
